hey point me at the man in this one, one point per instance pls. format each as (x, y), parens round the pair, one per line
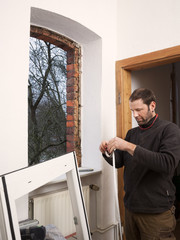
(150, 154)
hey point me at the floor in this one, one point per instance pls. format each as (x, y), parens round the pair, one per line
(177, 232)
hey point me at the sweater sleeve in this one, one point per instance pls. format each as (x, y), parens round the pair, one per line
(119, 155)
(168, 156)
(118, 159)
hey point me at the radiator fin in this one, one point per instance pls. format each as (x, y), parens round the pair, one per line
(56, 209)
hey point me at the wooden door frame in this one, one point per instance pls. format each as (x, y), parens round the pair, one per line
(123, 92)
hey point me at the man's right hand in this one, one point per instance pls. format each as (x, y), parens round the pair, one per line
(103, 147)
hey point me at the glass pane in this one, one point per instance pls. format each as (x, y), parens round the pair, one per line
(46, 101)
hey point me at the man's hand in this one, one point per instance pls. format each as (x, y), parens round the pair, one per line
(119, 143)
(103, 147)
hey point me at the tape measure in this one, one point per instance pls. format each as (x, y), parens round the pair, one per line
(119, 230)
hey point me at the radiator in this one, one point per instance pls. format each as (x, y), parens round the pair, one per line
(56, 209)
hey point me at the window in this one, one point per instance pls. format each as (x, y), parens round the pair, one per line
(53, 96)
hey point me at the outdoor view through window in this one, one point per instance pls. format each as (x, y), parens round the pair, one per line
(46, 101)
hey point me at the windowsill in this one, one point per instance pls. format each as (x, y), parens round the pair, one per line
(59, 183)
(83, 172)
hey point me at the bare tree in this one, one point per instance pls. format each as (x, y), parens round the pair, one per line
(46, 101)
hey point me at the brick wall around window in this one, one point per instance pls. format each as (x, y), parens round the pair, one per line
(73, 85)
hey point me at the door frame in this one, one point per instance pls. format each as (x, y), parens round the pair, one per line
(123, 92)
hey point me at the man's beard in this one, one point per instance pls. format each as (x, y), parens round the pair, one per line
(144, 120)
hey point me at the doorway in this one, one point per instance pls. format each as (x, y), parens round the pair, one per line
(124, 86)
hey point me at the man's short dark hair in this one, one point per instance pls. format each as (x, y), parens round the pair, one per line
(142, 93)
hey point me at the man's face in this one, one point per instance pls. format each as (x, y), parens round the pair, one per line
(141, 112)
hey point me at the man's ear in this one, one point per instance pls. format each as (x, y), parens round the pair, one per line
(153, 106)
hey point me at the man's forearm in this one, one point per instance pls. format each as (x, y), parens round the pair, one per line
(130, 148)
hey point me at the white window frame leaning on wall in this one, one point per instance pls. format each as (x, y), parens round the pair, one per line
(18, 183)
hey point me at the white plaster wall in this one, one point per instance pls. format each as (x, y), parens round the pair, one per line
(14, 25)
(145, 26)
(93, 25)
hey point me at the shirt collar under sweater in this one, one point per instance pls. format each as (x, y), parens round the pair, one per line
(149, 124)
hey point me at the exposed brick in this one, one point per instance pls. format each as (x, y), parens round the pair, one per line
(70, 146)
(70, 124)
(68, 43)
(76, 87)
(76, 104)
(70, 117)
(68, 150)
(70, 57)
(71, 74)
(70, 131)
(70, 81)
(70, 89)
(71, 67)
(70, 96)
(70, 138)
(60, 45)
(70, 110)
(70, 103)
(76, 139)
(47, 39)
